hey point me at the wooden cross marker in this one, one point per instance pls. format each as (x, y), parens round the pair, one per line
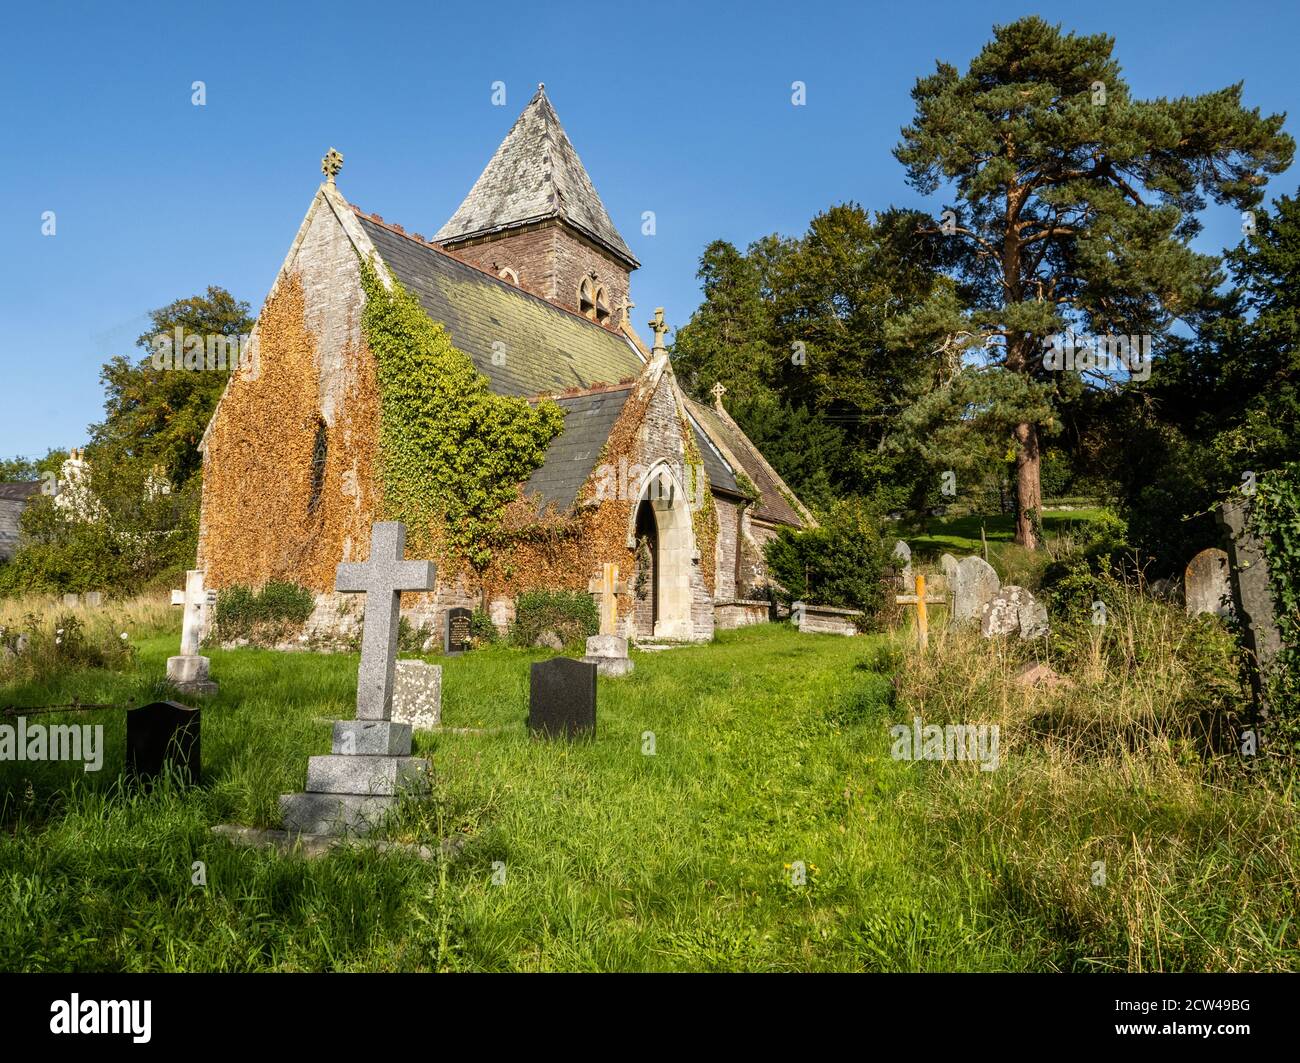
(920, 601)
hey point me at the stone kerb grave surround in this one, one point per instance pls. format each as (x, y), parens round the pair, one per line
(351, 789)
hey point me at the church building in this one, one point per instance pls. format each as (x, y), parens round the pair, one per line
(644, 491)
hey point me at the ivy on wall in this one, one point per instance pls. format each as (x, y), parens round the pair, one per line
(704, 517)
(1277, 522)
(452, 454)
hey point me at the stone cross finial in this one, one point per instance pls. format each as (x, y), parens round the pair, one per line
(660, 329)
(382, 579)
(331, 165)
(717, 391)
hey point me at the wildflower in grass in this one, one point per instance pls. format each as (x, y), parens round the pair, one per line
(123, 636)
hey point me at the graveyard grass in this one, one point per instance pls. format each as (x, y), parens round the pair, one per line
(771, 748)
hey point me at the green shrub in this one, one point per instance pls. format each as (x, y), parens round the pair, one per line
(481, 628)
(838, 564)
(265, 616)
(1276, 519)
(570, 614)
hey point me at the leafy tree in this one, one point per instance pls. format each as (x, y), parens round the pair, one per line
(799, 333)
(158, 416)
(1076, 202)
(19, 469)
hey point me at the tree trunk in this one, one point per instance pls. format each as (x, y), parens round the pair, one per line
(1029, 492)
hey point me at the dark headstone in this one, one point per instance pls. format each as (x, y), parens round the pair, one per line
(456, 638)
(161, 732)
(562, 699)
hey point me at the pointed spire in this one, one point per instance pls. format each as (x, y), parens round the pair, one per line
(535, 175)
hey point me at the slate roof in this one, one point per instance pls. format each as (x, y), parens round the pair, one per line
(719, 472)
(535, 175)
(773, 506)
(20, 491)
(547, 348)
(588, 420)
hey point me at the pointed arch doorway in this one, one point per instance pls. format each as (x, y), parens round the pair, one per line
(664, 540)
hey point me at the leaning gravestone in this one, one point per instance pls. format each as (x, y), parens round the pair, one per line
(456, 638)
(161, 732)
(417, 695)
(948, 566)
(351, 790)
(1205, 584)
(974, 587)
(562, 698)
(1014, 610)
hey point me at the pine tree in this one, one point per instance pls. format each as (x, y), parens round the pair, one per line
(1075, 205)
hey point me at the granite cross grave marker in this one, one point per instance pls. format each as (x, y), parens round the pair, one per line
(351, 789)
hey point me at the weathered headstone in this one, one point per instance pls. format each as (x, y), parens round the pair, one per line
(93, 599)
(71, 601)
(1013, 610)
(456, 638)
(973, 588)
(350, 790)
(562, 698)
(609, 654)
(902, 557)
(417, 695)
(189, 672)
(948, 566)
(163, 732)
(1205, 584)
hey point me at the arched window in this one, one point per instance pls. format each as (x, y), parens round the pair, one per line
(319, 457)
(592, 300)
(508, 274)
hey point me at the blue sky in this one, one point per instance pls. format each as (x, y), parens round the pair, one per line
(683, 109)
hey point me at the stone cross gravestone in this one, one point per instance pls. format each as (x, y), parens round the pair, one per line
(161, 732)
(1205, 584)
(189, 671)
(976, 584)
(350, 790)
(609, 599)
(562, 698)
(456, 638)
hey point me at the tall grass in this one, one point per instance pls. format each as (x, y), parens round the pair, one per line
(1123, 829)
